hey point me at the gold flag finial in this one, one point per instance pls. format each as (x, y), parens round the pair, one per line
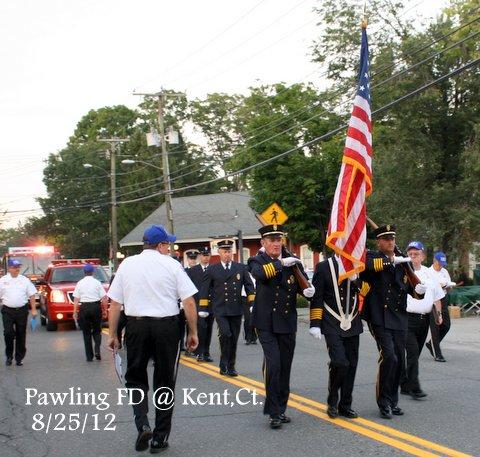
(364, 18)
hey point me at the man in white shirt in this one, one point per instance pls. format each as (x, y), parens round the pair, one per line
(149, 286)
(16, 291)
(418, 310)
(91, 296)
(438, 331)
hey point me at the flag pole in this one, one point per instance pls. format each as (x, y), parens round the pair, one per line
(364, 18)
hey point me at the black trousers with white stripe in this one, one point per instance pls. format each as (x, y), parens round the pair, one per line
(157, 339)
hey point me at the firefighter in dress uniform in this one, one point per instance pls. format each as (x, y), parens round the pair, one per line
(334, 312)
(275, 317)
(222, 286)
(385, 310)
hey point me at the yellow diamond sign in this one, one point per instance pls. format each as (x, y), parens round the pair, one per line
(274, 215)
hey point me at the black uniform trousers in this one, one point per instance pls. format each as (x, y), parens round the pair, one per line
(248, 329)
(15, 330)
(416, 336)
(391, 345)
(122, 322)
(182, 322)
(205, 328)
(157, 339)
(343, 353)
(90, 321)
(278, 350)
(228, 332)
(438, 332)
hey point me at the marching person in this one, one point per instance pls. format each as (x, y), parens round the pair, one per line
(334, 313)
(205, 324)
(16, 292)
(91, 296)
(418, 310)
(149, 286)
(438, 331)
(385, 310)
(275, 317)
(191, 263)
(222, 286)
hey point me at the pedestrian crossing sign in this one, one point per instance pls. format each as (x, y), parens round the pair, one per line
(274, 215)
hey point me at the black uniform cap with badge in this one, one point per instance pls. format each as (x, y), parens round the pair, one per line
(273, 230)
(225, 244)
(205, 250)
(386, 232)
(192, 254)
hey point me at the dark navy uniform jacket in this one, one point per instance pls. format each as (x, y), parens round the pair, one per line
(196, 275)
(386, 303)
(325, 293)
(275, 307)
(222, 289)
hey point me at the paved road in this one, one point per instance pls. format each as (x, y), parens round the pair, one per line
(445, 423)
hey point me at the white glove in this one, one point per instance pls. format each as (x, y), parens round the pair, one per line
(202, 314)
(290, 261)
(451, 284)
(251, 309)
(420, 288)
(315, 332)
(397, 260)
(309, 292)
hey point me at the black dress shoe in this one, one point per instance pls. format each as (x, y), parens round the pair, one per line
(386, 412)
(143, 438)
(285, 419)
(233, 373)
(350, 413)
(207, 358)
(98, 356)
(8, 362)
(440, 358)
(19, 363)
(332, 412)
(397, 411)
(428, 345)
(418, 394)
(223, 372)
(200, 358)
(157, 446)
(405, 392)
(275, 422)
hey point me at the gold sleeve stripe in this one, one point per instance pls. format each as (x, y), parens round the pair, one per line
(269, 270)
(378, 264)
(203, 302)
(250, 298)
(316, 313)
(365, 289)
(272, 269)
(265, 269)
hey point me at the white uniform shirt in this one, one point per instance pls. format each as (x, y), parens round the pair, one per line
(15, 292)
(434, 292)
(442, 276)
(89, 289)
(150, 284)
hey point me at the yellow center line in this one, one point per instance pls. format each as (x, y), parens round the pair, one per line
(357, 425)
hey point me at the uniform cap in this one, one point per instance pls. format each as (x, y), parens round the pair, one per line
(225, 244)
(272, 229)
(385, 230)
(192, 254)
(205, 250)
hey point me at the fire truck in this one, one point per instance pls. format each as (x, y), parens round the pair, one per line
(34, 259)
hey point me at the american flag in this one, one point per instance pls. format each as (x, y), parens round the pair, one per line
(347, 232)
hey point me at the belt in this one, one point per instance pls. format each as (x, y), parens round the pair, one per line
(150, 318)
(419, 314)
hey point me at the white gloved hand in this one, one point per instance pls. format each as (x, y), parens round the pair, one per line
(251, 309)
(309, 292)
(202, 314)
(315, 332)
(451, 284)
(420, 288)
(290, 261)
(397, 260)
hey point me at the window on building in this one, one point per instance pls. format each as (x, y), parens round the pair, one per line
(246, 255)
(306, 256)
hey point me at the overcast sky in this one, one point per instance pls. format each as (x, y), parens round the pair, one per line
(62, 58)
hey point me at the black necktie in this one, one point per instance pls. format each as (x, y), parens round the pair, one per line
(227, 266)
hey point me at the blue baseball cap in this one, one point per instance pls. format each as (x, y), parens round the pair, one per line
(14, 263)
(88, 268)
(157, 234)
(415, 245)
(441, 258)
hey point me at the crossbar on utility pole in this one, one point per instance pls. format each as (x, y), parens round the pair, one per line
(114, 142)
(162, 99)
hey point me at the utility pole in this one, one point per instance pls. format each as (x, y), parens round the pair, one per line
(113, 142)
(162, 99)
